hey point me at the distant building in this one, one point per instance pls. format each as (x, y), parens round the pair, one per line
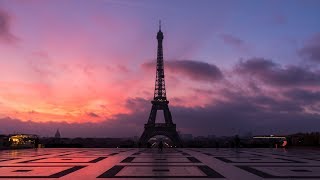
(201, 138)
(3, 141)
(57, 135)
(135, 138)
(212, 136)
(186, 137)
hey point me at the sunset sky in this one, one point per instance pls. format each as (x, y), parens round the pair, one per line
(88, 67)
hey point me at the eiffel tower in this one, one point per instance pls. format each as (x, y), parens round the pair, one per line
(160, 102)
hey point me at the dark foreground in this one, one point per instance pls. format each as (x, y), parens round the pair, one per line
(152, 164)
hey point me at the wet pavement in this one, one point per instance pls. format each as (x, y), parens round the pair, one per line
(105, 163)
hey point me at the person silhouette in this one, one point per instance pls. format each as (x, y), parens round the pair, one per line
(160, 146)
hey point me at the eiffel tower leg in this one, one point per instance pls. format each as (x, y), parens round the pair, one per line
(167, 115)
(153, 115)
(176, 139)
(143, 139)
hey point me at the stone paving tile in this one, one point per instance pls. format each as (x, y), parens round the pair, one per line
(103, 163)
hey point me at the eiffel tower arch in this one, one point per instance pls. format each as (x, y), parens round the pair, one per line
(160, 102)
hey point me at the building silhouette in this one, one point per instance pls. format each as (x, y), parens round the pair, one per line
(57, 135)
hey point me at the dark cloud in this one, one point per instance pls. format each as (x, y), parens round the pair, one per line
(195, 70)
(6, 35)
(137, 104)
(263, 102)
(123, 68)
(32, 112)
(311, 51)
(274, 74)
(91, 114)
(261, 114)
(232, 40)
(302, 95)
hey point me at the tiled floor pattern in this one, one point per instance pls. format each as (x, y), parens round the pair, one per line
(119, 164)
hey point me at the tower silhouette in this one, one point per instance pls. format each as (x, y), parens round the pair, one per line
(160, 102)
(57, 135)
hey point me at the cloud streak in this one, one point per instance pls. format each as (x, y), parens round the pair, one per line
(6, 36)
(194, 70)
(276, 75)
(232, 40)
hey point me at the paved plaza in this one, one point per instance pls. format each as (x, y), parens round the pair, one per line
(152, 164)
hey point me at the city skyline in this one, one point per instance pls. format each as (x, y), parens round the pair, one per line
(88, 68)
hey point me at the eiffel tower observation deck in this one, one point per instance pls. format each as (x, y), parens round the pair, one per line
(160, 102)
